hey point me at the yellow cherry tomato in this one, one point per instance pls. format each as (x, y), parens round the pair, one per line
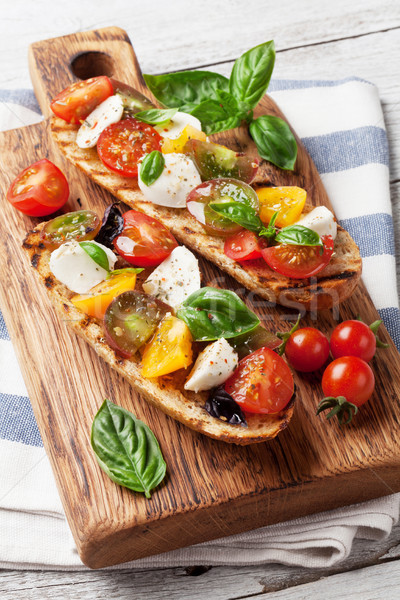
(169, 349)
(101, 295)
(177, 145)
(289, 201)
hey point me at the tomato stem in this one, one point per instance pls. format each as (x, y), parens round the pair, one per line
(338, 407)
(374, 328)
(284, 336)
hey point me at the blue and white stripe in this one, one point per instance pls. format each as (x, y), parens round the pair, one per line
(341, 125)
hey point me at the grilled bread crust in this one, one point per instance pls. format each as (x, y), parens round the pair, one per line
(166, 393)
(332, 285)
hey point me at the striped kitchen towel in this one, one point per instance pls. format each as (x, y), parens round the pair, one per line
(341, 124)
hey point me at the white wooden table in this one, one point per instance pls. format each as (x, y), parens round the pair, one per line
(314, 40)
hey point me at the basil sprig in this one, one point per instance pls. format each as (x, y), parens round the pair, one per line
(294, 235)
(126, 449)
(97, 254)
(151, 167)
(211, 313)
(186, 89)
(154, 116)
(275, 141)
(221, 103)
(219, 115)
(239, 212)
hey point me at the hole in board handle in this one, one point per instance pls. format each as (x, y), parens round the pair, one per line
(92, 64)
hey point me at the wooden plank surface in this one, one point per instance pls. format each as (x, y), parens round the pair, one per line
(362, 53)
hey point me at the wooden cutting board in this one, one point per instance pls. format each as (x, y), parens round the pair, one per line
(212, 489)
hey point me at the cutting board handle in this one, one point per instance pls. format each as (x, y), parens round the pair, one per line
(56, 63)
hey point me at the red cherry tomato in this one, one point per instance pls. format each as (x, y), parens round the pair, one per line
(77, 101)
(307, 349)
(243, 246)
(353, 338)
(144, 241)
(299, 262)
(351, 377)
(123, 144)
(262, 383)
(39, 190)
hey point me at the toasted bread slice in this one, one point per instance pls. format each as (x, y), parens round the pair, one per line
(166, 393)
(332, 285)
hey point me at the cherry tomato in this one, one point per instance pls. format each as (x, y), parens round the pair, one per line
(353, 338)
(144, 241)
(131, 319)
(243, 245)
(214, 160)
(213, 191)
(299, 262)
(351, 377)
(39, 190)
(79, 226)
(257, 338)
(123, 144)
(262, 383)
(77, 101)
(307, 349)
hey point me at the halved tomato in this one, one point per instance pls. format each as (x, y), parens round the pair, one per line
(170, 348)
(131, 319)
(123, 144)
(77, 101)
(39, 190)
(144, 241)
(299, 262)
(132, 100)
(244, 245)
(214, 160)
(97, 300)
(289, 201)
(217, 190)
(262, 383)
(179, 144)
(80, 225)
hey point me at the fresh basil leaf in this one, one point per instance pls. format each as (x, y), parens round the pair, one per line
(239, 212)
(297, 235)
(126, 449)
(270, 231)
(216, 116)
(251, 74)
(185, 89)
(274, 140)
(97, 254)
(211, 313)
(154, 116)
(151, 167)
(132, 270)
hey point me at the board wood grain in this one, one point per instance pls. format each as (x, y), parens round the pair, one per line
(212, 489)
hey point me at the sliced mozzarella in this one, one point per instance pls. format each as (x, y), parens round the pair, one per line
(108, 112)
(175, 279)
(71, 265)
(175, 126)
(177, 179)
(320, 220)
(213, 366)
